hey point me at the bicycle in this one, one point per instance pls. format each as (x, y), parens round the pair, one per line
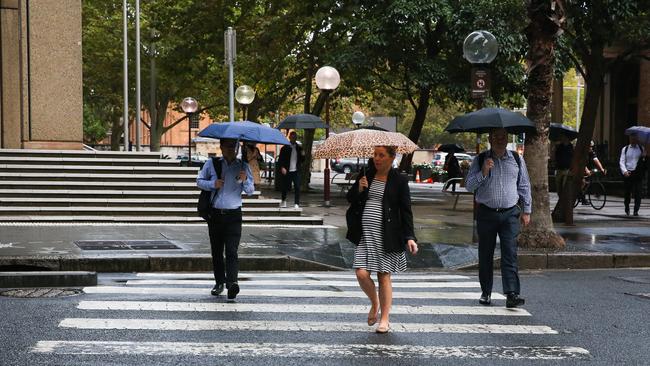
(593, 193)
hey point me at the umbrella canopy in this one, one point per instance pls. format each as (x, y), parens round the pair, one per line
(361, 144)
(302, 122)
(641, 132)
(451, 148)
(486, 119)
(373, 127)
(556, 130)
(245, 131)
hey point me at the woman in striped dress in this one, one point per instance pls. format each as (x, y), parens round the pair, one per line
(380, 223)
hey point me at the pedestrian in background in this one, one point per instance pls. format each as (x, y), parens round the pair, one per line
(453, 168)
(563, 157)
(632, 165)
(499, 179)
(253, 157)
(290, 160)
(380, 224)
(227, 182)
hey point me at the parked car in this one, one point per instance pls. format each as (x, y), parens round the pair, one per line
(439, 158)
(348, 165)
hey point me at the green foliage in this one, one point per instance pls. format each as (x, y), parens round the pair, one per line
(95, 129)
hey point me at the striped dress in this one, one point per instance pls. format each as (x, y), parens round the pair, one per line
(370, 254)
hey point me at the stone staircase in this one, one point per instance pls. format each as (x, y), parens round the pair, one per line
(53, 186)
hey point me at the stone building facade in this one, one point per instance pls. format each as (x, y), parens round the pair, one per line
(41, 97)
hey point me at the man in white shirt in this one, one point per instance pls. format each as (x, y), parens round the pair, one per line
(632, 163)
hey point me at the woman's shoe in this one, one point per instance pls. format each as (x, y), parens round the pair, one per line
(372, 320)
(383, 329)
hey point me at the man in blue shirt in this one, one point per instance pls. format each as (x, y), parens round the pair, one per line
(502, 190)
(225, 220)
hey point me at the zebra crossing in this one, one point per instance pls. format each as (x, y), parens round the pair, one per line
(299, 315)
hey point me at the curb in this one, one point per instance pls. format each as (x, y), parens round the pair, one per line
(156, 263)
(47, 279)
(574, 260)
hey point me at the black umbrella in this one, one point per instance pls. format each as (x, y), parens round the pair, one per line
(487, 119)
(558, 129)
(451, 148)
(302, 122)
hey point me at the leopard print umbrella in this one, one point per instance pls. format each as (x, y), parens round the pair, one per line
(361, 144)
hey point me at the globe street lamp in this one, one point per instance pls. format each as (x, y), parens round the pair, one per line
(190, 106)
(245, 96)
(480, 48)
(327, 79)
(357, 118)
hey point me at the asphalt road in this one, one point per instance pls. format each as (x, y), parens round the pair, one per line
(572, 317)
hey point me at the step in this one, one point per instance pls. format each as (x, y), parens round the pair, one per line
(80, 153)
(108, 193)
(30, 184)
(28, 160)
(136, 211)
(268, 220)
(97, 177)
(120, 202)
(104, 169)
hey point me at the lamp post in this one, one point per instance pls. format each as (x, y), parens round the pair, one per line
(245, 96)
(189, 106)
(357, 118)
(480, 48)
(327, 79)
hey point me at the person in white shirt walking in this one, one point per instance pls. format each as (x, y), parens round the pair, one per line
(632, 163)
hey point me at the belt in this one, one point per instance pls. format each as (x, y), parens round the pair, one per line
(496, 209)
(225, 211)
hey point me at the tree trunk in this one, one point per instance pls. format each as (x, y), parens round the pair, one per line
(541, 34)
(116, 131)
(595, 70)
(416, 127)
(157, 128)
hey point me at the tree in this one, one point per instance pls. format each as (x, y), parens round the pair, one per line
(545, 23)
(592, 27)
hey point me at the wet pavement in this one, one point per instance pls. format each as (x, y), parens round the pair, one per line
(444, 234)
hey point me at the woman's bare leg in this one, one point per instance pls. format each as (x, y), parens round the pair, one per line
(368, 286)
(385, 298)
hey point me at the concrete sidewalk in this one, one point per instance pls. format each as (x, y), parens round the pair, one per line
(600, 239)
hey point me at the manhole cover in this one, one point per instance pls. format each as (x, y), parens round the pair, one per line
(125, 244)
(40, 292)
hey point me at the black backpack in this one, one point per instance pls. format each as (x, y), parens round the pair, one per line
(204, 206)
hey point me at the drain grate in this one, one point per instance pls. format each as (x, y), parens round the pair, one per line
(40, 293)
(125, 244)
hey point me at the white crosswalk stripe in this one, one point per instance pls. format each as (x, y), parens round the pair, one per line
(439, 305)
(309, 350)
(308, 283)
(294, 308)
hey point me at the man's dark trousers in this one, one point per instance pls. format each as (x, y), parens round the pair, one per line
(225, 232)
(506, 225)
(292, 177)
(633, 184)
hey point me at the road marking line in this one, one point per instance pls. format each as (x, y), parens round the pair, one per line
(293, 326)
(299, 282)
(301, 275)
(304, 350)
(295, 308)
(282, 293)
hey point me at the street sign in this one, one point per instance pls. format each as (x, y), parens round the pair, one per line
(480, 82)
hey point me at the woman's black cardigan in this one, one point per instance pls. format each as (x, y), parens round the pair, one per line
(396, 211)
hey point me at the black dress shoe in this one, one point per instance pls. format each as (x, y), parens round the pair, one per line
(627, 211)
(636, 214)
(233, 290)
(485, 299)
(217, 289)
(513, 300)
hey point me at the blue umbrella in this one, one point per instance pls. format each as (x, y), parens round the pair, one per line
(641, 132)
(245, 131)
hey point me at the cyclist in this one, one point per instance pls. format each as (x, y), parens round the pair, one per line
(593, 164)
